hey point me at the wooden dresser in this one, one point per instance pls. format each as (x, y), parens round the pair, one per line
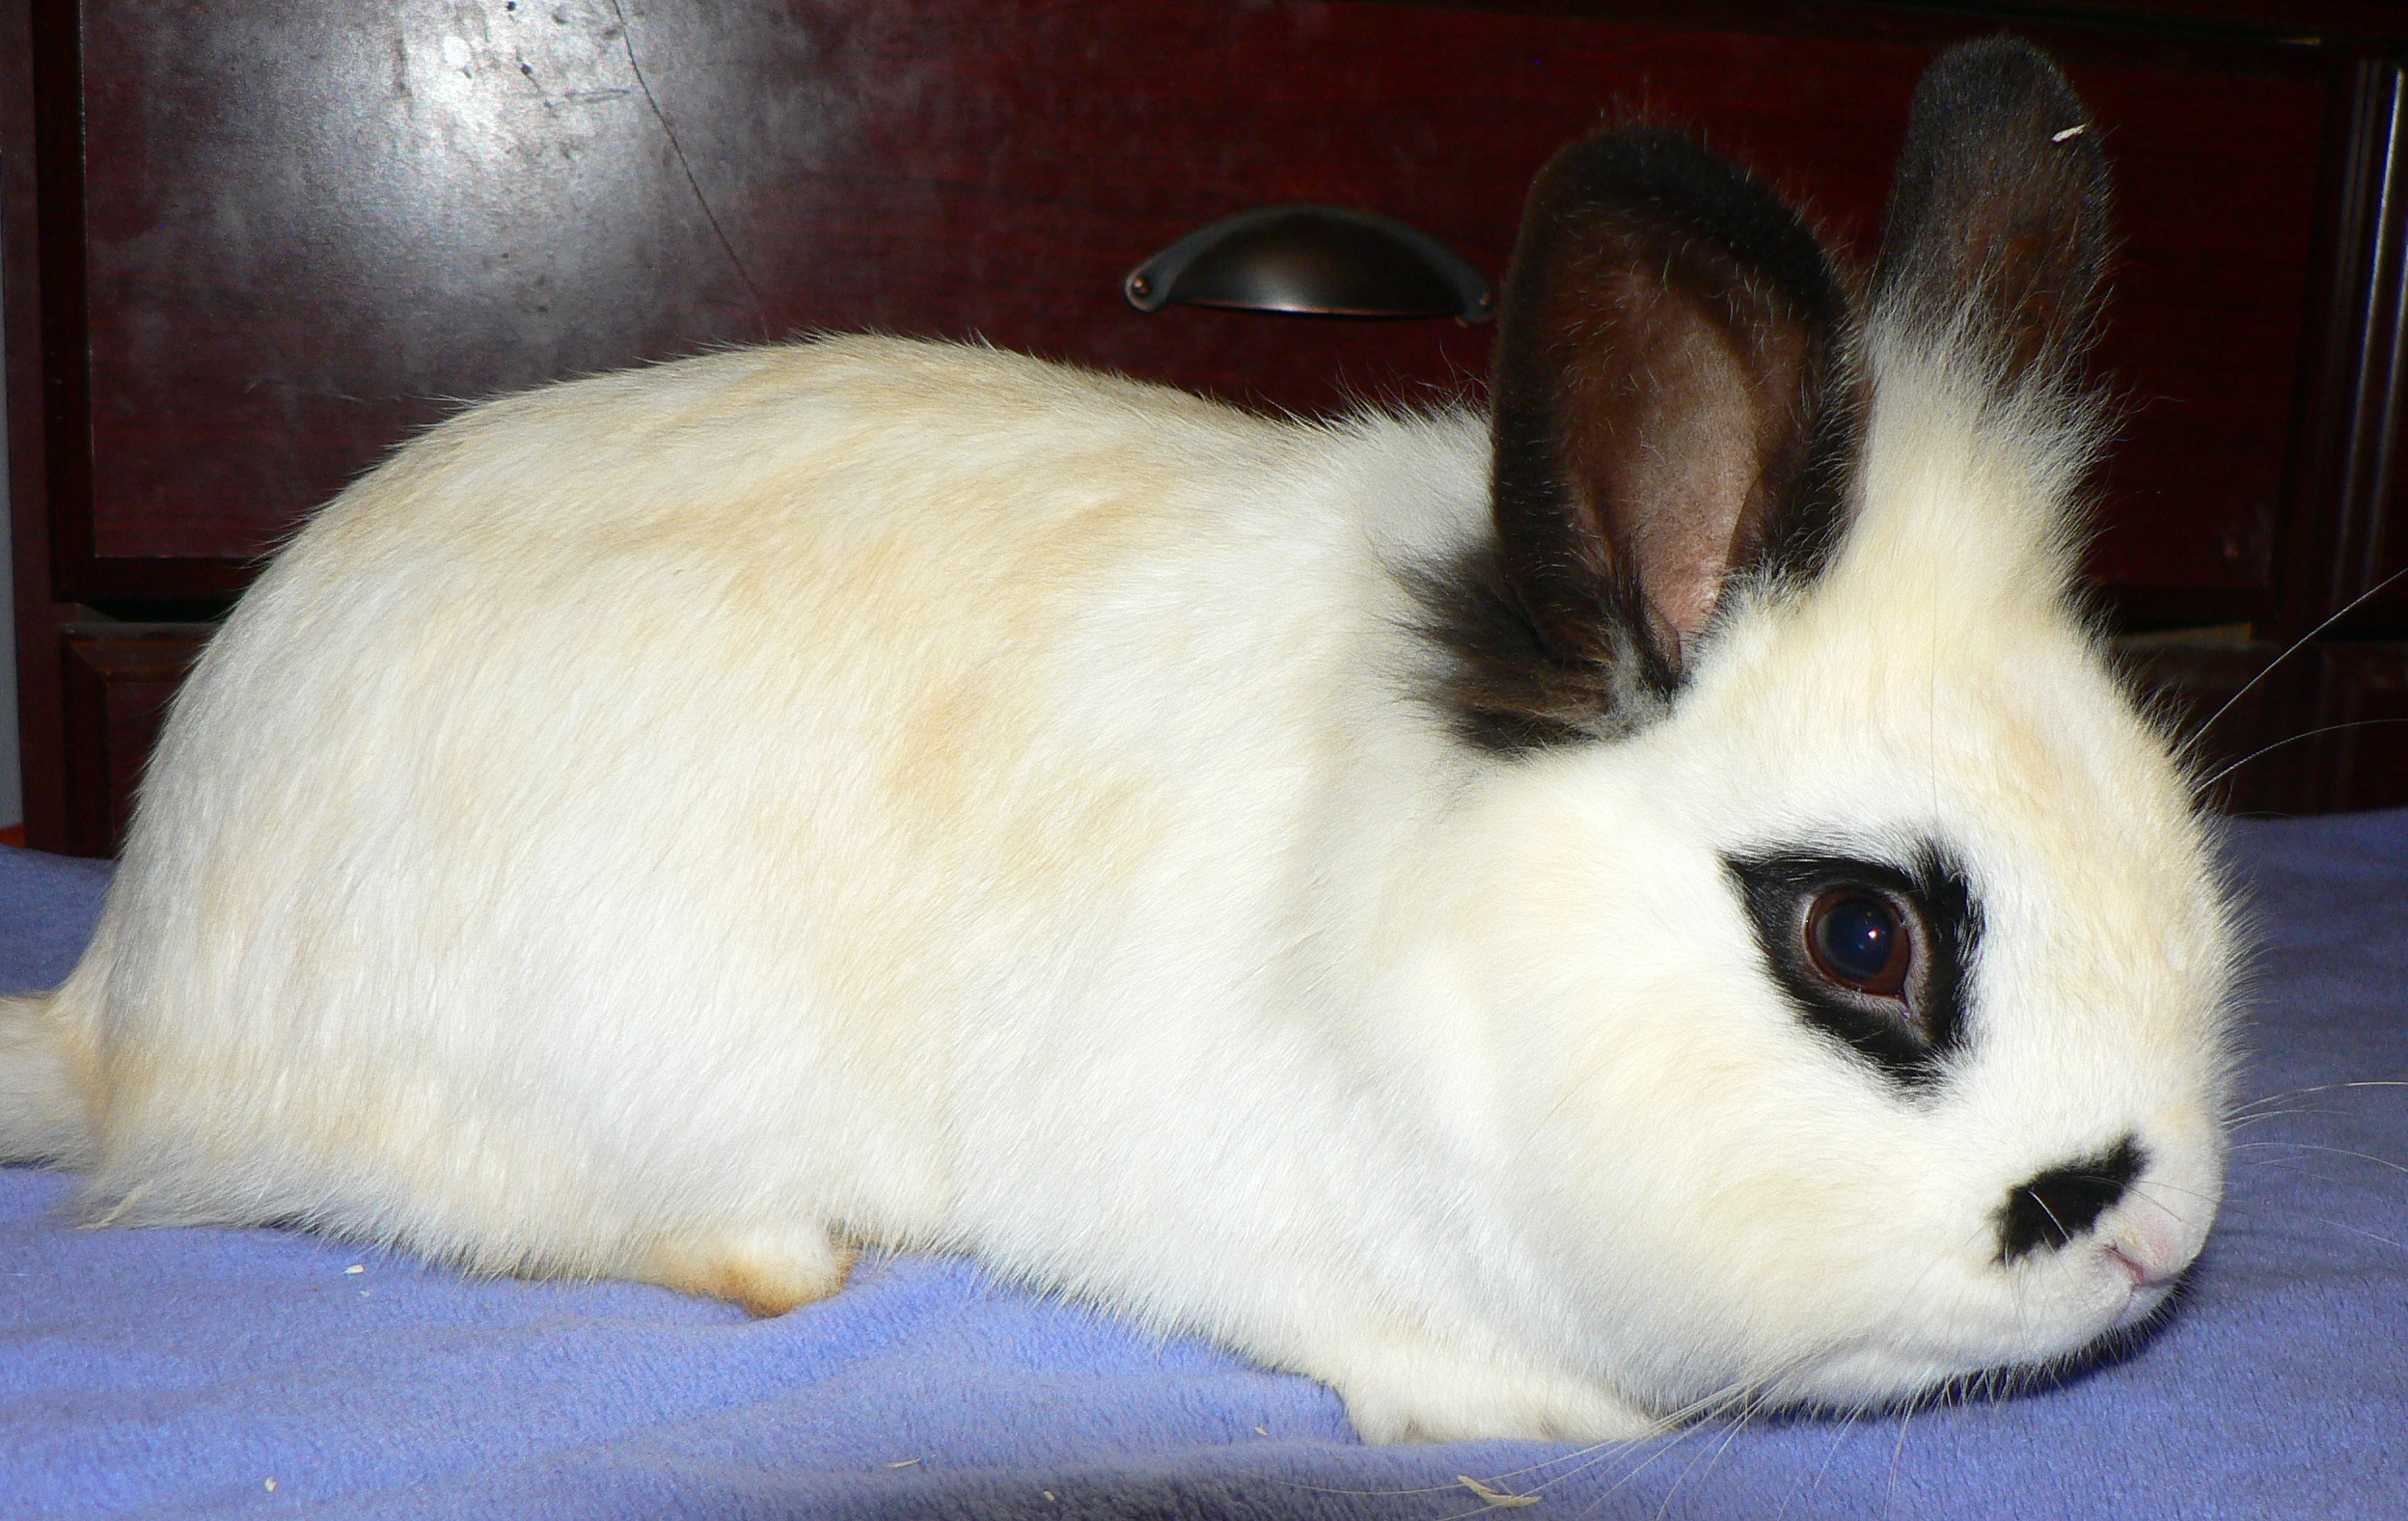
(249, 244)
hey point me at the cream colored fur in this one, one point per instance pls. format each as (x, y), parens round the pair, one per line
(677, 825)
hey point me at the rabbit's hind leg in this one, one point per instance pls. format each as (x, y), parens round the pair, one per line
(767, 1271)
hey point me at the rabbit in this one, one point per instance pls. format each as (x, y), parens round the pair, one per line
(1643, 901)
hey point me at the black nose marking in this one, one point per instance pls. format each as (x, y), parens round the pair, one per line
(2060, 1204)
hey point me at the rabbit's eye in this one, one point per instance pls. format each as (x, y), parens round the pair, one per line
(1875, 954)
(1860, 940)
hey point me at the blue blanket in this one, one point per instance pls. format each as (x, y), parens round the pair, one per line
(201, 1372)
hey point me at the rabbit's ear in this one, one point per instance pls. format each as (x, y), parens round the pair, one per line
(1668, 404)
(1996, 239)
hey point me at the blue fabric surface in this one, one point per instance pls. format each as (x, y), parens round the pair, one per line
(176, 1373)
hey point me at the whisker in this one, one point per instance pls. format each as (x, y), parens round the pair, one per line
(2336, 1150)
(2245, 1210)
(2265, 749)
(1594, 1452)
(2143, 1188)
(1636, 1468)
(2354, 604)
(1588, 1456)
(2277, 1114)
(1898, 1455)
(2296, 1092)
(1706, 1456)
(2035, 1196)
(1831, 1451)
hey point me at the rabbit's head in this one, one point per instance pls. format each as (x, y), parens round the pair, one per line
(1855, 967)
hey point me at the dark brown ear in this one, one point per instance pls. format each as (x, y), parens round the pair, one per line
(1998, 218)
(1666, 399)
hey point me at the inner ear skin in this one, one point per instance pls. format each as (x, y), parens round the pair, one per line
(1704, 446)
(1677, 386)
(1672, 408)
(1661, 362)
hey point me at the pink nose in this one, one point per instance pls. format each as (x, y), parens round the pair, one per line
(2148, 1262)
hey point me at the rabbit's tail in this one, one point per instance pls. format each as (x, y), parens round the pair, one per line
(45, 1087)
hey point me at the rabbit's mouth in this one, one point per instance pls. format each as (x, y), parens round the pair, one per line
(2150, 1296)
(2136, 1301)
(1849, 1392)
(2104, 1311)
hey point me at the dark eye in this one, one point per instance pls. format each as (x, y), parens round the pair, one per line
(1875, 954)
(1858, 939)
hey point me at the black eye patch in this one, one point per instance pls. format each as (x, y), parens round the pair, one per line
(1870, 954)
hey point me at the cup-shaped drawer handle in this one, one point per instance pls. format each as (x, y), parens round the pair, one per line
(1325, 260)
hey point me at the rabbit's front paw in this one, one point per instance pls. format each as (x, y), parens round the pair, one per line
(1423, 1392)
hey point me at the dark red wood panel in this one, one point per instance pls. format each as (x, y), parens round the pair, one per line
(2343, 536)
(117, 681)
(252, 243)
(2203, 344)
(2386, 575)
(22, 301)
(2361, 733)
(309, 228)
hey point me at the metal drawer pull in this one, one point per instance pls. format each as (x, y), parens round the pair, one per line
(1323, 260)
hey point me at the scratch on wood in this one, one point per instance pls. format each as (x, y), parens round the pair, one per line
(627, 40)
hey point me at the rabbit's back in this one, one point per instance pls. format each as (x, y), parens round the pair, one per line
(629, 768)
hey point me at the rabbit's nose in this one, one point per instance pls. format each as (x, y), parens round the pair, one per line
(2051, 1207)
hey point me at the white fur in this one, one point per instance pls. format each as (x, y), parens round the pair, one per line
(675, 824)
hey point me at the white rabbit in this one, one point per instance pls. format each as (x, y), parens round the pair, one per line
(1653, 902)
